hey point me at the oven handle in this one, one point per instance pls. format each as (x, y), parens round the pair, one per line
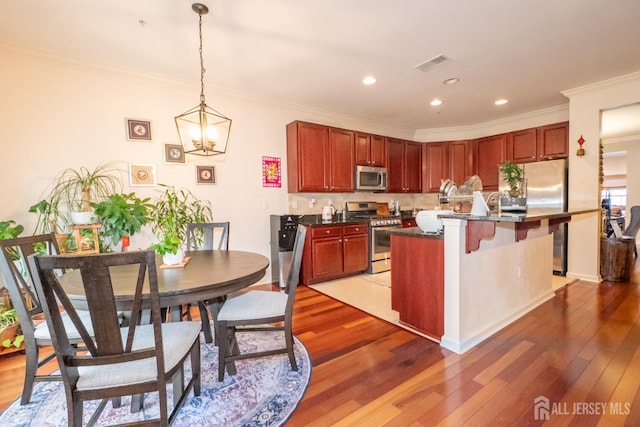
(387, 227)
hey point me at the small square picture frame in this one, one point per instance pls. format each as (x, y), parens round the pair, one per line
(142, 175)
(138, 129)
(205, 174)
(174, 153)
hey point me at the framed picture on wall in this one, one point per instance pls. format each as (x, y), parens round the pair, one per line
(205, 175)
(173, 153)
(138, 130)
(142, 175)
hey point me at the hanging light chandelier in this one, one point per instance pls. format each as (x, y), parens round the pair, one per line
(203, 131)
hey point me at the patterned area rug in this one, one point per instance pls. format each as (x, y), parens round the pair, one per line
(264, 393)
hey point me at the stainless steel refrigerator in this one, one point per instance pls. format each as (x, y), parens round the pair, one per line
(547, 188)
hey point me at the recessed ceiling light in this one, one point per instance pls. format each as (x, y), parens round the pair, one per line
(369, 80)
(451, 81)
(436, 102)
(501, 102)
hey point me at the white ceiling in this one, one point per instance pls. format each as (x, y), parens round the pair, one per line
(315, 53)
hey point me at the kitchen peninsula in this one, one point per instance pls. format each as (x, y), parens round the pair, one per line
(477, 277)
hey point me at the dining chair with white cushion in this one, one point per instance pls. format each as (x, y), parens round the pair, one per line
(258, 310)
(132, 360)
(18, 279)
(207, 236)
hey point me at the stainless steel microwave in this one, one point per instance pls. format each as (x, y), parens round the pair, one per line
(370, 178)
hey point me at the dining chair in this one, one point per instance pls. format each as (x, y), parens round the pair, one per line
(18, 278)
(258, 310)
(131, 360)
(203, 236)
(632, 229)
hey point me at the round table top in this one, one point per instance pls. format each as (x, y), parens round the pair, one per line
(207, 275)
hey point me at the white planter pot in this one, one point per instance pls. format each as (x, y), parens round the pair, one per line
(173, 259)
(79, 218)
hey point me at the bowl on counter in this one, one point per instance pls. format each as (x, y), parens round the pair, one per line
(429, 222)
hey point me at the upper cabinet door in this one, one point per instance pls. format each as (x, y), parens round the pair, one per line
(307, 157)
(489, 153)
(459, 167)
(436, 165)
(395, 170)
(341, 164)
(522, 146)
(369, 149)
(553, 141)
(412, 167)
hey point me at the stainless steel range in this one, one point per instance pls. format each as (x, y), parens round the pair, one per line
(379, 233)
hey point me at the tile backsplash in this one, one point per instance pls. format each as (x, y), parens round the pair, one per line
(312, 203)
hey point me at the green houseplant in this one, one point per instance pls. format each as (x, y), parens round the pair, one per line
(71, 194)
(513, 175)
(171, 213)
(9, 325)
(10, 230)
(121, 216)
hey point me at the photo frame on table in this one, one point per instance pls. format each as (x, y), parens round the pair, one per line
(142, 175)
(174, 153)
(138, 129)
(205, 174)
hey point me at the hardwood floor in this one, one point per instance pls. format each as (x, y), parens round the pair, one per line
(580, 350)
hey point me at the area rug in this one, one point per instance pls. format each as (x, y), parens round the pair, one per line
(264, 392)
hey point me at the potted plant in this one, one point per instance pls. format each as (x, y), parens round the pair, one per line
(70, 197)
(513, 175)
(171, 213)
(9, 324)
(121, 216)
(10, 230)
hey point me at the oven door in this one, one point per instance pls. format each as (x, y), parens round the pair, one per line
(381, 248)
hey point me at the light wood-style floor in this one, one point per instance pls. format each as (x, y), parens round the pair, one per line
(580, 350)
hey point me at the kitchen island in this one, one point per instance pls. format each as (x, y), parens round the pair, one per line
(479, 276)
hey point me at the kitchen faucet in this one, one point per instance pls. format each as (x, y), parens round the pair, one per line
(496, 195)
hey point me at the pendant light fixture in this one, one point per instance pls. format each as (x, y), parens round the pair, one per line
(203, 131)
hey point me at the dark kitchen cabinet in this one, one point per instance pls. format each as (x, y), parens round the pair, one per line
(553, 141)
(538, 144)
(522, 146)
(459, 161)
(334, 251)
(369, 149)
(319, 158)
(488, 153)
(436, 165)
(404, 166)
(417, 288)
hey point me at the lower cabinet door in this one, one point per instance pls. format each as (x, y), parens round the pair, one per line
(356, 253)
(327, 257)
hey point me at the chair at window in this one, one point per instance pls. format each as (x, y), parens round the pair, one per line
(13, 262)
(244, 312)
(202, 236)
(634, 224)
(137, 359)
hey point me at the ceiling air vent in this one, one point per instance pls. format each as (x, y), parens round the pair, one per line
(433, 62)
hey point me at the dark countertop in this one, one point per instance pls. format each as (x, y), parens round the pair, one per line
(316, 220)
(532, 214)
(415, 232)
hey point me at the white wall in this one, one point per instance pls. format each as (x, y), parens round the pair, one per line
(57, 112)
(585, 106)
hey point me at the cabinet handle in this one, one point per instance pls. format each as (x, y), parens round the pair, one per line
(327, 231)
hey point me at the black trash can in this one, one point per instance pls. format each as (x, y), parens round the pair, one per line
(616, 258)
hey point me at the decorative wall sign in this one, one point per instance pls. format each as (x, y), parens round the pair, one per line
(173, 153)
(142, 175)
(271, 172)
(138, 130)
(205, 175)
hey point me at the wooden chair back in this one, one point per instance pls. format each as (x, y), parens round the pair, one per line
(202, 236)
(294, 273)
(18, 276)
(95, 272)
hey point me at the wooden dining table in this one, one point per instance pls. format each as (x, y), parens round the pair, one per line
(207, 275)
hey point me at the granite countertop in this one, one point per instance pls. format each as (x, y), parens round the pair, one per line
(415, 232)
(313, 220)
(532, 214)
